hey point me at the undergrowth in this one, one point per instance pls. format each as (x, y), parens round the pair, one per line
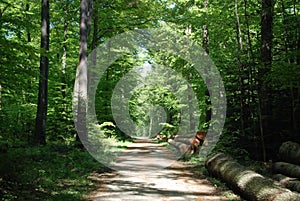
(52, 172)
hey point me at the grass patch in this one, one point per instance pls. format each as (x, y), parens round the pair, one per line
(52, 172)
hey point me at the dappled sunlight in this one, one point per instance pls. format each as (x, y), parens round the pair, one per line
(141, 176)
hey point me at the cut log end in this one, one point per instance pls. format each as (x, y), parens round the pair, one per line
(290, 152)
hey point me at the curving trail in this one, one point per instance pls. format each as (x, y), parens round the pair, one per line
(177, 182)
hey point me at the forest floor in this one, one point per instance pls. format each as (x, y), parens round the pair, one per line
(179, 181)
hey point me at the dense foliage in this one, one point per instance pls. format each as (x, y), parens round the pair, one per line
(254, 44)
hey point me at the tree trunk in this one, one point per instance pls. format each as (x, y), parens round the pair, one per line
(81, 87)
(266, 33)
(287, 48)
(27, 28)
(248, 183)
(265, 109)
(41, 117)
(95, 36)
(240, 66)
(206, 48)
(287, 182)
(0, 96)
(205, 30)
(288, 169)
(191, 108)
(64, 59)
(238, 31)
(290, 152)
(250, 91)
(250, 48)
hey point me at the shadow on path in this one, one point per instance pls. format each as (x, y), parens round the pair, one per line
(149, 181)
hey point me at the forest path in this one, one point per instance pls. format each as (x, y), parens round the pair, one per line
(176, 182)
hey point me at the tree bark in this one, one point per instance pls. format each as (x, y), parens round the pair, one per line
(288, 169)
(27, 28)
(206, 48)
(95, 36)
(191, 109)
(250, 92)
(0, 96)
(250, 48)
(288, 182)
(205, 30)
(287, 48)
(290, 152)
(266, 33)
(265, 107)
(41, 117)
(240, 66)
(81, 87)
(248, 183)
(238, 31)
(64, 59)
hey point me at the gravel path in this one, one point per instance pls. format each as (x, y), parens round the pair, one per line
(150, 182)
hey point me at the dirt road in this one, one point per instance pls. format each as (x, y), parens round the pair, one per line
(150, 182)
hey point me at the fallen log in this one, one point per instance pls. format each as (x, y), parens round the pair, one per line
(248, 183)
(189, 143)
(290, 152)
(184, 136)
(200, 135)
(287, 169)
(288, 182)
(161, 137)
(183, 148)
(193, 141)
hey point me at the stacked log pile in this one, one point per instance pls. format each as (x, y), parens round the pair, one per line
(162, 138)
(190, 143)
(288, 168)
(248, 183)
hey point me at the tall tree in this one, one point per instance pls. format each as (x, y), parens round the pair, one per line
(240, 65)
(206, 48)
(266, 59)
(0, 96)
(41, 117)
(81, 88)
(64, 54)
(250, 60)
